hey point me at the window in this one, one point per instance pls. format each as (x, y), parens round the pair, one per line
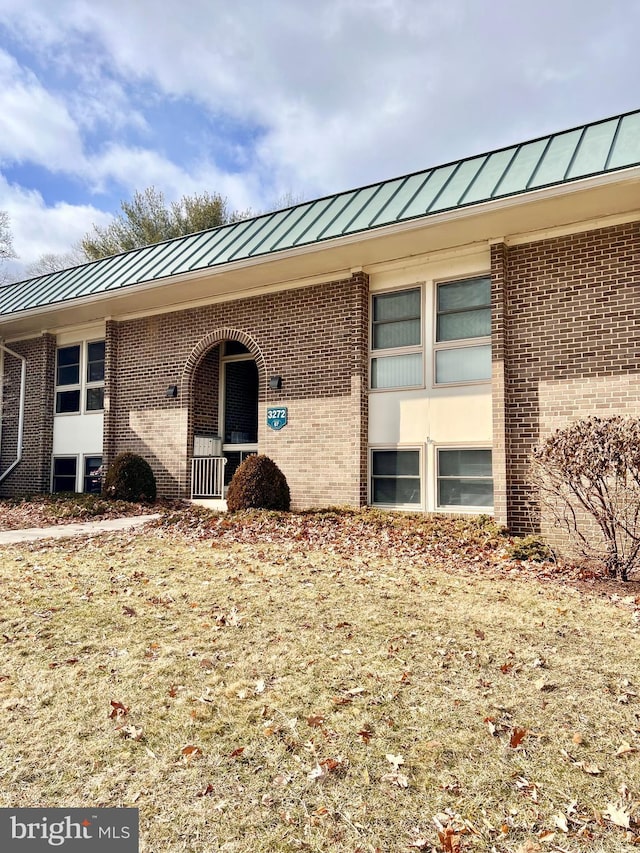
(68, 379)
(94, 400)
(80, 378)
(396, 339)
(395, 477)
(463, 331)
(64, 474)
(465, 478)
(92, 482)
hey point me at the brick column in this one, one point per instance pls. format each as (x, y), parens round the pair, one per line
(359, 382)
(110, 392)
(47, 391)
(499, 283)
(33, 472)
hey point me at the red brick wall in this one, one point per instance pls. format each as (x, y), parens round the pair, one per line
(571, 341)
(315, 338)
(33, 473)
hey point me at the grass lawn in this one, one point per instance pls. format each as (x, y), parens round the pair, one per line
(320, 683)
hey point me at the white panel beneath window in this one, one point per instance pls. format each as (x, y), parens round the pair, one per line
(77, 434)
(449, 415)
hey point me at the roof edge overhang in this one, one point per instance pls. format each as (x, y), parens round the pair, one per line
(512, 219)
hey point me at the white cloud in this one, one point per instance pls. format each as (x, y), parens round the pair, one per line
(319, 97)
(36, 126)
(137, 168)
(38, 229)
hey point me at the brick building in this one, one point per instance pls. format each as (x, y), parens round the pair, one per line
(405, 344)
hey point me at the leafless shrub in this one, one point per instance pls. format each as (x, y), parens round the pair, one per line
(591, 470)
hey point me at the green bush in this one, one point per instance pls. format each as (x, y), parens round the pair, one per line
(130, 478)
(258, 483)
(531, 548)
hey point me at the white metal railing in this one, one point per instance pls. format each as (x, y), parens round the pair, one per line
(207, 476)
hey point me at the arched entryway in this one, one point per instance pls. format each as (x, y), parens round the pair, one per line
(225, 378)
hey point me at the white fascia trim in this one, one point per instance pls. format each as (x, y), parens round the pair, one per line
(479, 248)
(564, 230)
(418, 223)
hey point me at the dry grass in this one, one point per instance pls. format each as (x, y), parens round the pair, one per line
(283, 696)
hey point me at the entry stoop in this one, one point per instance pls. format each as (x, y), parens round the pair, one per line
(210, 503)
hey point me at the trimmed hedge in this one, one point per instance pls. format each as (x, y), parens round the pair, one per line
(258, 483)
(130, 478)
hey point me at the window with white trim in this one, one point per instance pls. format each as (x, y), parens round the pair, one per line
(397, 359)
(80, 378)
(395, 478)
(465, 478)
(92, 483)
(64, 474)
(463, 331)
(94, 391)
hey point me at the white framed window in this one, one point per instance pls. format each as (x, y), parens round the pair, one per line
(68, 388)
(396, 479)
(64, 472)
(397, 358)
(464, 478)
(92, 484)
(94, 376)
(80, 378)
(67, 476)
(463, 331)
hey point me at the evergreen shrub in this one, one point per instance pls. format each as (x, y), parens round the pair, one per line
(258, 483)
(130, 478)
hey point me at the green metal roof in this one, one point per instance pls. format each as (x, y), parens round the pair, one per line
(561, 158)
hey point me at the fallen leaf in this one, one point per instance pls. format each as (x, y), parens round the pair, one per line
(618, 815)
(117, 710)
(206, 791)
(236, 752)
(396, 778)
(625, 749)
(560, 821)
(190, 752)
(315, 721)
(450, 840)
(131, 732)
(518, 734)
(394, 760)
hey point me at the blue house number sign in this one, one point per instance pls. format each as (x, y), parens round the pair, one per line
(277, 418)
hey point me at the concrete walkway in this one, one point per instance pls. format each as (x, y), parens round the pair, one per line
(62, 531)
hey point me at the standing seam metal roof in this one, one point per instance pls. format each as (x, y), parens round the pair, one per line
(594, 149)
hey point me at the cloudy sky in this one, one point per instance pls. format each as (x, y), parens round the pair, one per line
(258, 99)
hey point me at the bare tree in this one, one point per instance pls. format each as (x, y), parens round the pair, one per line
(6, 244)
(52, 262)
(587, 477)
